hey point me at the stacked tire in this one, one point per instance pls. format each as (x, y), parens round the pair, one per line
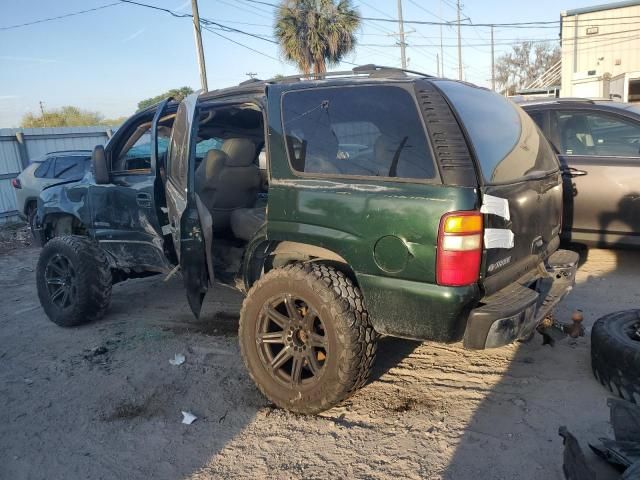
(615, 353)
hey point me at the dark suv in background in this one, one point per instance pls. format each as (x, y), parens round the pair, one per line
(391, 206)
(598, 142)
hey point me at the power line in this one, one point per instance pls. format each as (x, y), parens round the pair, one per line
(240, 44)
(59, 17)
(263, 3)
(153, 7)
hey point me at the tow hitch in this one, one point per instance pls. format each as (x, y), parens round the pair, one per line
(553, 330)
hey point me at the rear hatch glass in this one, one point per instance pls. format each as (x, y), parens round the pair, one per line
(520, 173)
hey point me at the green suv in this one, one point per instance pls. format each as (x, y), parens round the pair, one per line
(376, 201)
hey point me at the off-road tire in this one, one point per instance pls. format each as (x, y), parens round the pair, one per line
(352, 339)
(92, 280)
(615, 356)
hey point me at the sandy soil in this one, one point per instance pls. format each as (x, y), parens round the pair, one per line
(102, 400)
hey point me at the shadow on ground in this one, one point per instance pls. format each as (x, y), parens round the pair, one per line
(516, 436)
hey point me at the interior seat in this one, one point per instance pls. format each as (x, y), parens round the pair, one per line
(245, 222)
(577, 137)
(228, 179)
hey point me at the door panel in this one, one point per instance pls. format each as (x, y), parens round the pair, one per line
(603, 206)
(124, 212)
(189, 237)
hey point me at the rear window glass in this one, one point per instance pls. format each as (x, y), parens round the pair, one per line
(508, 145)
(70, 167)
(372, 131)
(45, 169)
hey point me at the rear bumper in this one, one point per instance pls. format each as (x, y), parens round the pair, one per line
(514, 312)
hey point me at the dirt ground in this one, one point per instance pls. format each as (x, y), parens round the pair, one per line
(102, 400)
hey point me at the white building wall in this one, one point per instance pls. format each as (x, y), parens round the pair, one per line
(613, 50)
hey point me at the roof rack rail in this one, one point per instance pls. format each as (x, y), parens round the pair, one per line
(370, 69)
(574, 99)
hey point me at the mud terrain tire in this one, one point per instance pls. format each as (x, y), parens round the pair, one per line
(302, 293)
(615, 353)
(79, 267)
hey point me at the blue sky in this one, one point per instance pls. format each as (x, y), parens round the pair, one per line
(110, 59)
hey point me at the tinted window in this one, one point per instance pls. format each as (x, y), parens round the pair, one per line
(591, 133)
(507, 144)
(71, 167)
(537, 117)
(367, 130)
(45, 170)
(178, 156)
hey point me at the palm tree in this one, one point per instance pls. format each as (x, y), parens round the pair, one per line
(314, 33)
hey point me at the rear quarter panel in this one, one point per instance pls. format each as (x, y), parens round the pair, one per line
(385, 230)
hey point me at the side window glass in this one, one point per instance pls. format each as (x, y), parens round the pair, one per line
(614, 136)
(136, 151)
(69, 167)
(372, 131)
(45, 169)
(590, 133)
(178, 156)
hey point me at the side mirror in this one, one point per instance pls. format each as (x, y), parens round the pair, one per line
(99, 164)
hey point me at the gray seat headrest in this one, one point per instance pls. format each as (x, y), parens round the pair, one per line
(212, 164)
(241, 152)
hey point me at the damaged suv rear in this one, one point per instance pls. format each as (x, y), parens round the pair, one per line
(370, 202)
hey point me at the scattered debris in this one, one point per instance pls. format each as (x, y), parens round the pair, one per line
(178, 359)
(96, 351)
(574, 463)
(623, 453)
(188, 418)
(14, 236)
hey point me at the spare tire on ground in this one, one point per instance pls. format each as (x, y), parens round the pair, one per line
(615, 353)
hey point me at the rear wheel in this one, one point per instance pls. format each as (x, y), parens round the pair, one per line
(74, 280)
(615, 353)
(305, 337)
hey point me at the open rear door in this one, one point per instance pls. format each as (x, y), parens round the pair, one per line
(190, 223)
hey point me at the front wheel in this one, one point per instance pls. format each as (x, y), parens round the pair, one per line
(74, 280)
(305, 337)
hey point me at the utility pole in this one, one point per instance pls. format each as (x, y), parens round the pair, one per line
(403, 56)
(438, 63)
(44, 122)
(459, 44)
(441, 66)
(251, 75)
(493, 63)
(198, 35)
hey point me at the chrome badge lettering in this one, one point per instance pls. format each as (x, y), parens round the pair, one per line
(499, 264)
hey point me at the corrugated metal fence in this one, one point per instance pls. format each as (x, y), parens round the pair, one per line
(20, 146)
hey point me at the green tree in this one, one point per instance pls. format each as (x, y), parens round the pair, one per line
(526, 62)
(177, 93)
(114, 122)
(314, 33)
(67, 116)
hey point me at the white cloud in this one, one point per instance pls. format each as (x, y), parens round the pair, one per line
(183, 5)
(133, 35)
(27, 59)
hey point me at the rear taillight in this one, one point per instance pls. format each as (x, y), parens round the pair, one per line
(459, 249)
(16, 183)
